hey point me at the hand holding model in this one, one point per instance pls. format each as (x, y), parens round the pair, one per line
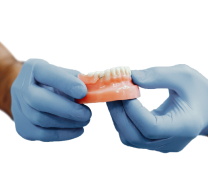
(43, 104)
(176, 122)
(44, 108)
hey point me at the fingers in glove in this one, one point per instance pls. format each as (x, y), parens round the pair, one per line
(48, 120)
(32, 132)
(57, 135)
(152, 127)
(44, 100)
(125, 127)
(36, 133)
(134, 140)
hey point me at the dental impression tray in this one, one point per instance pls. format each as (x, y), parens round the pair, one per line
(109, 85)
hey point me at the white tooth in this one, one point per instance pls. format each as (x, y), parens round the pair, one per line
(113, 72)
(122, 70)
(128, 70)
(96, 74)
(118, 71)
(90, 74)
(107, 74)
(101, 74)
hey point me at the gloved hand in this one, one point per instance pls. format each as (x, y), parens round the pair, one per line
(169, 128)
(43, 104)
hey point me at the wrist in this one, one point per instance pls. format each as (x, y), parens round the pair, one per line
(9, 75)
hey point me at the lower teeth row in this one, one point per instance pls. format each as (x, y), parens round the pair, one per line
(118, 71)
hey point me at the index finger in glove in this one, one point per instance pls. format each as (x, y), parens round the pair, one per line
(128, 131)
(125, 127)
(151, 126)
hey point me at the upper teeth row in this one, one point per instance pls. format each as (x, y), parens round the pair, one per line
(118, 71)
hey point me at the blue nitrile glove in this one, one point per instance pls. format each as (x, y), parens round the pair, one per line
(182, 117)
(43, 107)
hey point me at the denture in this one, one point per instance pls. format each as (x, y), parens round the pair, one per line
(109, 85)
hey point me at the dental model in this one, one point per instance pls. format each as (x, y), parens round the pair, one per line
(109, 85)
